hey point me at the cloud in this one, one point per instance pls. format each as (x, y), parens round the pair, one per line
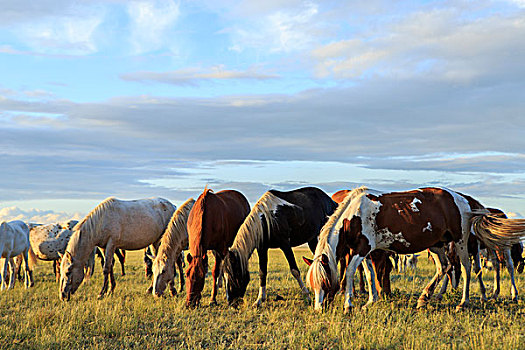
(36, 215)
(193, 76)
(150, 23)
(432, 44)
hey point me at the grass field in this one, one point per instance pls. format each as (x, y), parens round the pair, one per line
(129, 318)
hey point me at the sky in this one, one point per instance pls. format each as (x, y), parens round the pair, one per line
(137, 99)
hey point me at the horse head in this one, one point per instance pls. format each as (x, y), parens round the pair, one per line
(236, 277)
(71, 276)
(322, 279)
(162, 274)
(196, 273)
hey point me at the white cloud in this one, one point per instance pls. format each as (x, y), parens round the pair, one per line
(151, 21)
(36, 215)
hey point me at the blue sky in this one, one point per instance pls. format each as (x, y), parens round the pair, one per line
(160, 98)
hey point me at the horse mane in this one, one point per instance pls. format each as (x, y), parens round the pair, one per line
(250, 234)
(317, 273)
(177, 232)
(88, 225)
(198, 211)
(496, 231)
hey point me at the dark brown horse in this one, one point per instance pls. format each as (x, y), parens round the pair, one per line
(212, 225)
(405, 222)
(380, 261)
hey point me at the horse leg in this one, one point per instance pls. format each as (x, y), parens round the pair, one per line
(180, 262)
(440, 260)
(288, 253)
(443, 289)
(371, 280)
(343, 264)
(362, 288)
(12, 273)
(4, 273)
(497, 272)
(479, 273)
(121, 255)
(461, 248)
(28, 273)
(108, 266)
(216, 275)
(312, 244)
(263, 271)
(350, 271)
(112, 282)
(510, 268)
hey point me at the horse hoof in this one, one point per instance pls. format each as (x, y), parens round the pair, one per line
(347, 310)
(149, 290)
(100, 296)
(213, 303)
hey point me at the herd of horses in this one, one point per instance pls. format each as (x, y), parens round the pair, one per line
(356, 229)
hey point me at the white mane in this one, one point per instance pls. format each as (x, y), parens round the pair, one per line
(88, 226)
(250, 234)
(176, 235)
(328, 239)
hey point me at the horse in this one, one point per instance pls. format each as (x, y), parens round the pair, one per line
(14, 240)
(278, 220)
(48, 242)
(405, 223)
(212, 224)
(510, 257)
(380, 261)
(113, 224)
(174, 240)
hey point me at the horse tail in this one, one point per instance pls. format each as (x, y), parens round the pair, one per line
(32, 259)
(496, 231)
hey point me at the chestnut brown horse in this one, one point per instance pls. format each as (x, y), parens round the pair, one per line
(406, 223)
(380, 261)
(213, 223)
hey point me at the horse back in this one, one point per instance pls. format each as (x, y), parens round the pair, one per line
(304, 221)
(215, 219)
(424, 217)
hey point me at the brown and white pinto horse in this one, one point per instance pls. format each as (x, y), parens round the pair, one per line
(380, 261)
(213, 223)
(406, 223)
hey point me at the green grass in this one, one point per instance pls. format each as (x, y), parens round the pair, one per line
(129, 318)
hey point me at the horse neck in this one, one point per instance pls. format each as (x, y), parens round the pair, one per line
(81, 245)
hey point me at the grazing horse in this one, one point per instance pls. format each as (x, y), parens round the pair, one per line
(499, 256)
(212, 224)
(113, 224)
(14, 240)
(174, 240)
(48, 243)
(380, 262)
(406, 223)
(278, 220)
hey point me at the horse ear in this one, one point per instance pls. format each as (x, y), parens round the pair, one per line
(189, 258)
(307, 261)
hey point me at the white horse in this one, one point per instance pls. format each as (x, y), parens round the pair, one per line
(14, 240)
(113, 224)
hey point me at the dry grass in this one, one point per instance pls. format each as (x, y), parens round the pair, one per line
(129, 318)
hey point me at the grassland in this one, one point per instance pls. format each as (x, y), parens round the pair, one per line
(129, 318)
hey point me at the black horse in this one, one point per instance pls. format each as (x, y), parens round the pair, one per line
(278, 220)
